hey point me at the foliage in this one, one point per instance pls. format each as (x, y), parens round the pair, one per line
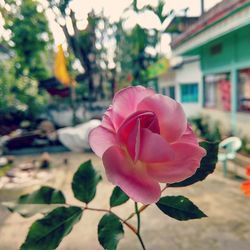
(31, 42)
(179, 208)
(19, 93)
(45, 195)
(40, 201)
(28, 54)
(118, 197)
(131, 51)
(86, 43)
(49, 231)
(206, 129)
(207, 165)
(84, 182)
(110, 231)
(159, 11)
(30, 38)
(136, 49)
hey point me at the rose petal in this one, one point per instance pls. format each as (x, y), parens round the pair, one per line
(107, 120)
(189, 136)
(132, 179)
(133, 141)
(171, 117)
(187, 160)
(100, 139)
(129, 132)
(154, 148)
(147, 120)
(125, 102)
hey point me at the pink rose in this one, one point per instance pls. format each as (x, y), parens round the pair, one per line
(144, 140)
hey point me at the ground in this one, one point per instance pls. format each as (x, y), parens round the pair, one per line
(227, 225)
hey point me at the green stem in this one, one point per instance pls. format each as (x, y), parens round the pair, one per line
(109, 211)
(139, 226)
(142, 208)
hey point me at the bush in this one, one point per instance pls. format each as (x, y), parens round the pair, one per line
(207, 130)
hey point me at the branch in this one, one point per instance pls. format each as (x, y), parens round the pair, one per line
(109, 211)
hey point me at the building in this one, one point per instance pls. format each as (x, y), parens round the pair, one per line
(178, 82)
(182, 86)
(221, 39)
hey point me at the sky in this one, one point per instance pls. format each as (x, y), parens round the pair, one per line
(114, 10)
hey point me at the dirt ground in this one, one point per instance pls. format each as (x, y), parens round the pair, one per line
(227, 225)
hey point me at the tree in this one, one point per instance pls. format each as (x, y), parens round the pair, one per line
(19, 94)
(29, 58)
(131, 52)
(137, 48)
(83, 42)
(30, 38)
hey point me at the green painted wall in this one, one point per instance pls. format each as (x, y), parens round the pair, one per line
(243, 44)
(227, 52)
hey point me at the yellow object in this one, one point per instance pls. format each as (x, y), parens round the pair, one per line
(60, 69)
(158, 68)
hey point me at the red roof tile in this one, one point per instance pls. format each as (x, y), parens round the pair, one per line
(216, 13)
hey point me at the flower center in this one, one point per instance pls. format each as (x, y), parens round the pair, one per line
(129, 134)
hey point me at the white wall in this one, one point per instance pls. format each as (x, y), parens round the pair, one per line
(188, 72)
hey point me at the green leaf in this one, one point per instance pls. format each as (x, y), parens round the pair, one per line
(48, 232)
(118, 197)
(45, 195)
(110, 231)
(40, 201)
(179, 208)
(85, 181)
(207, 166)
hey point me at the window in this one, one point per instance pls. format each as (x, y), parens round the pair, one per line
(169, 91)
(217, 91)
(153, 84)
(189, 93)
(210, 94)
(216, 49)
(172, 92)
(244, 90)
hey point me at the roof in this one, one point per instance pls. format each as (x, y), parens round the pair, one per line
(215, 14)
(180, 23)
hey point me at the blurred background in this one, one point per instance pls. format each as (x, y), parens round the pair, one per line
(61, 62)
